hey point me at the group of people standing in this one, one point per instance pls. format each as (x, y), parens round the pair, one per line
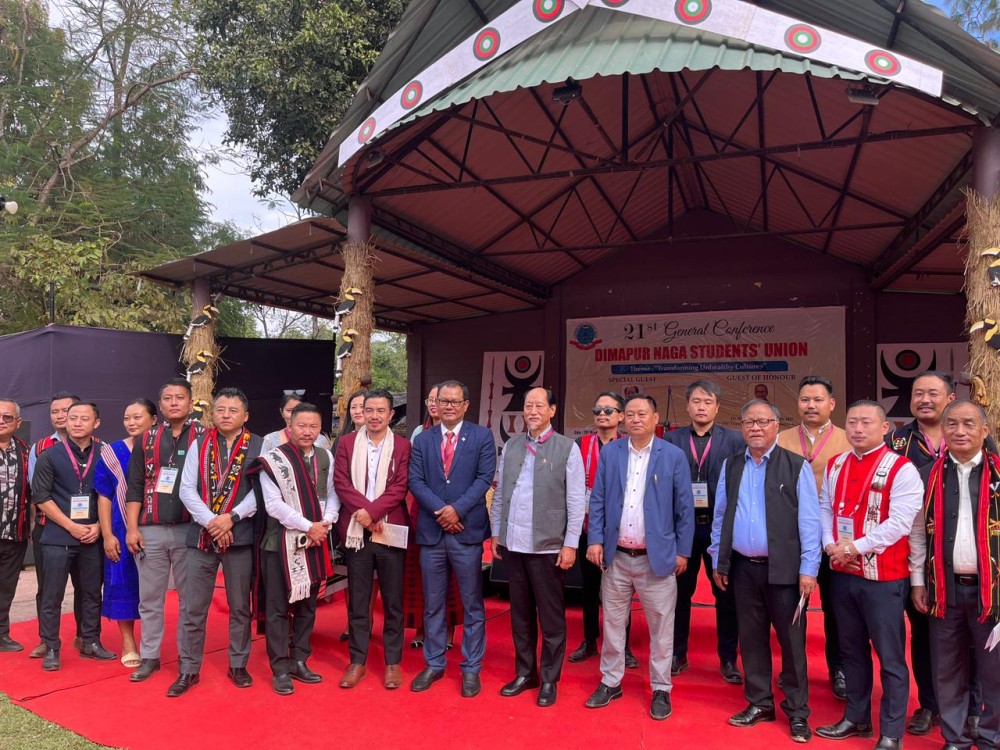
(878, 522)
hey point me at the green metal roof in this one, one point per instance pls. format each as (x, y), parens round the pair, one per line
(596, 41)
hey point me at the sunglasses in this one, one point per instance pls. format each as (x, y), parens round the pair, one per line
(605, 410)
(7, 418)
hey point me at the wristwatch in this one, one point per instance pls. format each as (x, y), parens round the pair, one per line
(234, 516)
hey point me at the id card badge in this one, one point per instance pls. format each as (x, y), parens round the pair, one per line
(586, 502)
(700, 491)
(845, 529)
(166, 480)
(79, 507)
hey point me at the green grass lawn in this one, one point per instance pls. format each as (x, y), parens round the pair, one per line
(20, 728)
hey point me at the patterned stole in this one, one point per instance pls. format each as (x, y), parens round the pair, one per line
(110, 459)
(304, 566)
(21, 515)
(220, 486)
(987, 530)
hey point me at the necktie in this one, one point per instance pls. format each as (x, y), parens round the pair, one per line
(448, 452)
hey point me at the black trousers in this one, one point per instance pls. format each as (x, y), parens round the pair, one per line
(362, 565)
(951, 639)
(537, 600)
(36, 552)
(725, 602)
(830, 632)
(761, 606)
(87, 562)
(870, 615)
(283, 620)
(590, 597)
(11, 560)
(920, 657)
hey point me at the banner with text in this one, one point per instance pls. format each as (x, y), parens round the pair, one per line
(507, 378)
(749, 353)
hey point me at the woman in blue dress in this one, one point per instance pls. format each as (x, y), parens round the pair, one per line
(121, 577)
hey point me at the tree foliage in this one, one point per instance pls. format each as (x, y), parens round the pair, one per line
(94, 121)
(981, 18)
(285, 72)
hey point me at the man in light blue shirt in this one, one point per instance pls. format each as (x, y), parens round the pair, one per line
(766, 540)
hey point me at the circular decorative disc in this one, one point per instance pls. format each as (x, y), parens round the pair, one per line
(692, 12)
(486, 44)
(411, 95)
(367, 130)
(802, 38)
(548, 10)
(882, 62)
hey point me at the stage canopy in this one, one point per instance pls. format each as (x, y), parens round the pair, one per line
(504, 146)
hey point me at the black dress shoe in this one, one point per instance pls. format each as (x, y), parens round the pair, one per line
(518, 685)
(547, 694)
(660, 708)
(838, 683)
(799, 729)
(603, 696)
(585, 650)
(302, 673)
(679, 665)
(631, 662)
(282, 684)
(145, 670)
(182, 684)
(922, 721)
(470, 685)
(240, 677)
(752, 715)
(425, 679)
(51, 662)
(96, 651)
(730, 673)
(888, 743)
(844, 729)
(9, 645)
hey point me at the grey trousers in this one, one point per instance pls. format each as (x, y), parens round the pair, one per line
(202, 569)
(658, 596)
(166, 550)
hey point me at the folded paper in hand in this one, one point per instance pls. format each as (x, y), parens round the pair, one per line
(392, 535)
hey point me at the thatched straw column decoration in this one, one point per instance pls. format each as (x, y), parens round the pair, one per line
(983, 312)
(200, 355)
(357, 326)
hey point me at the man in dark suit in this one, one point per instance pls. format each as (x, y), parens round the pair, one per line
(706, 446)
(370, 474)
(766, 541)
(640, 534)
(451, 469)
(953, 580)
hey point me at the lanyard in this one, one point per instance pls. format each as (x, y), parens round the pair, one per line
(76, 464)
(867, 483)
(699, 462)
(531, 449)
(810, 456)
(936, 452)
(591, 454)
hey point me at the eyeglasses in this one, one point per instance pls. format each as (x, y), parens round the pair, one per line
(8, 418)
(749, 423)
(605, 410)
(430, 401)
(449, 402)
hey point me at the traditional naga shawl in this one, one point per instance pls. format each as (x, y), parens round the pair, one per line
(22, 492)
(296, 480)
(220, 486)
(151, 453)
(987, 530)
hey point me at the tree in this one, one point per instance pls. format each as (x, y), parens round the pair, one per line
(981, 18)
(94, 124)
(285, 72)
(389, 361)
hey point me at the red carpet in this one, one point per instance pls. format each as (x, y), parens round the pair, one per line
(97, 700)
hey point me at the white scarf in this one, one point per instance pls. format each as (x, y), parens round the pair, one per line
(295, 556)
(359, 477)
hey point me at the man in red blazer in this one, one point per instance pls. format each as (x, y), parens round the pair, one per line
(370, 474)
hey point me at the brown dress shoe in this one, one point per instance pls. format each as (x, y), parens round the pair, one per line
(352, 676)
(393, 676)
(38, 651)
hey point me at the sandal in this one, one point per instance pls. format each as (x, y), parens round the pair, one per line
(416, 643)
(131, 660)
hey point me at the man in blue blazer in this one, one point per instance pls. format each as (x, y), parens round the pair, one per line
(706, 447)
(451, 469)
(641, 532)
